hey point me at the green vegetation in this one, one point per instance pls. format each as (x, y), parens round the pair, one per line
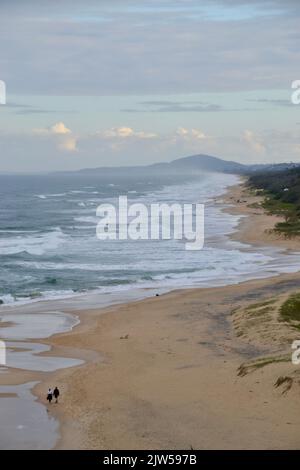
(290, 309)
(282, 197)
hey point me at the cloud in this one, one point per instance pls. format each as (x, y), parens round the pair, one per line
(57, 129)
(60, 128)
(63, 136)
(175, 107)
(142, 47)
(125, 133)
(24, 109)
(254, 142)
(69, 144)
(190, 134)
(274, 102)
(34, 111)
(51, 151)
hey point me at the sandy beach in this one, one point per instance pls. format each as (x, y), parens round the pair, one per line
(257, 228)
(167, 376)
(195, 368)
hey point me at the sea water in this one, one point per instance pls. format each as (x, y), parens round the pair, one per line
(49, 248)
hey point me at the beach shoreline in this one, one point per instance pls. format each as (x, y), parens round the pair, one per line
(153, 363)
(256, 226)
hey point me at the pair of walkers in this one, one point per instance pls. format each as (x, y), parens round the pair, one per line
(53, 393)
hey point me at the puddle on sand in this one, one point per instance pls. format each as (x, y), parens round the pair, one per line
(26, 355)
(25, 423)
(36, 326)
(29, 358)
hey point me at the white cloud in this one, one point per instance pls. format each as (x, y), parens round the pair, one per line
(69, 144)
(60, 128)
(191, 134)
(182, 132)
(197, 134)
(254, 142)
(125, 133)
(64, 139)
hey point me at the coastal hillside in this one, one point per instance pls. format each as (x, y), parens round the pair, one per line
(188, 165)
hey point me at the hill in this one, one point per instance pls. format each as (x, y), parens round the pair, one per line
(189, 165)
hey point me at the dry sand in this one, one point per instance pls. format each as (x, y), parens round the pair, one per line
(173, 382)
(165, 372)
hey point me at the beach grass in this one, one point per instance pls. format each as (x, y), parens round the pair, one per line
(261, 304)
(290, 309)
(246, 368)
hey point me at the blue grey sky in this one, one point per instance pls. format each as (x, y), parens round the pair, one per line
(123, 82)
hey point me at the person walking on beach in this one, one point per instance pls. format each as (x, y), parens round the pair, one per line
(56, 394)
(49, 395)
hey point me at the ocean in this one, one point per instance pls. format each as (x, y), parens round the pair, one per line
(49, 248)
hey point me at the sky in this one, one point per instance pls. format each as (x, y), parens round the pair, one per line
(132, 82)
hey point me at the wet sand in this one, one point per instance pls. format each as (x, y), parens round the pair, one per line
(27, 424)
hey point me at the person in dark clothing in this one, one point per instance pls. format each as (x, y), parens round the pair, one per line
(49, 395)
(56, 394)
